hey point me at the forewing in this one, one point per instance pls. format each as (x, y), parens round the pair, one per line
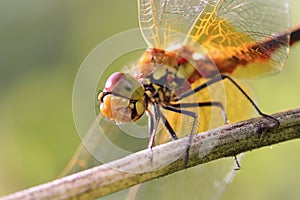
(245, 38)
(165, 22)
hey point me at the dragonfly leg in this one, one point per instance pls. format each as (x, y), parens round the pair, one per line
(223, 77)
(151, 133)
(169, 128)
(153, 124)
(151, 129)
(204, 104)
(195, 117)
(249, 99)
(238, 166)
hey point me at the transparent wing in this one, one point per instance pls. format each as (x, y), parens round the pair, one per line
(164, 22)
(104, 142)
(246, 38)
(249, 38)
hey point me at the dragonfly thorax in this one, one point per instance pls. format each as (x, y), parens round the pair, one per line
(186, 63)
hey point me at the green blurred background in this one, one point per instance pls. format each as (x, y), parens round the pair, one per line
(42, 46)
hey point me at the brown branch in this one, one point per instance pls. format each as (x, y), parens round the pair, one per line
(136, 168)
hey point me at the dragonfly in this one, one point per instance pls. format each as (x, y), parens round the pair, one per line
(189, 80)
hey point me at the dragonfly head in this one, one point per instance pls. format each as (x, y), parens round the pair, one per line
(122, 99)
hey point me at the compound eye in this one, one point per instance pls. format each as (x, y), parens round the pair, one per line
(113, 80)
(121, 84)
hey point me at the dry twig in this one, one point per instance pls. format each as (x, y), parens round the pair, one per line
(225, 141)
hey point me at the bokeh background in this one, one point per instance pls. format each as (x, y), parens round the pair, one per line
(43, 43)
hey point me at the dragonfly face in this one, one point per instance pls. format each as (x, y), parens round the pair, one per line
(122, 99)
